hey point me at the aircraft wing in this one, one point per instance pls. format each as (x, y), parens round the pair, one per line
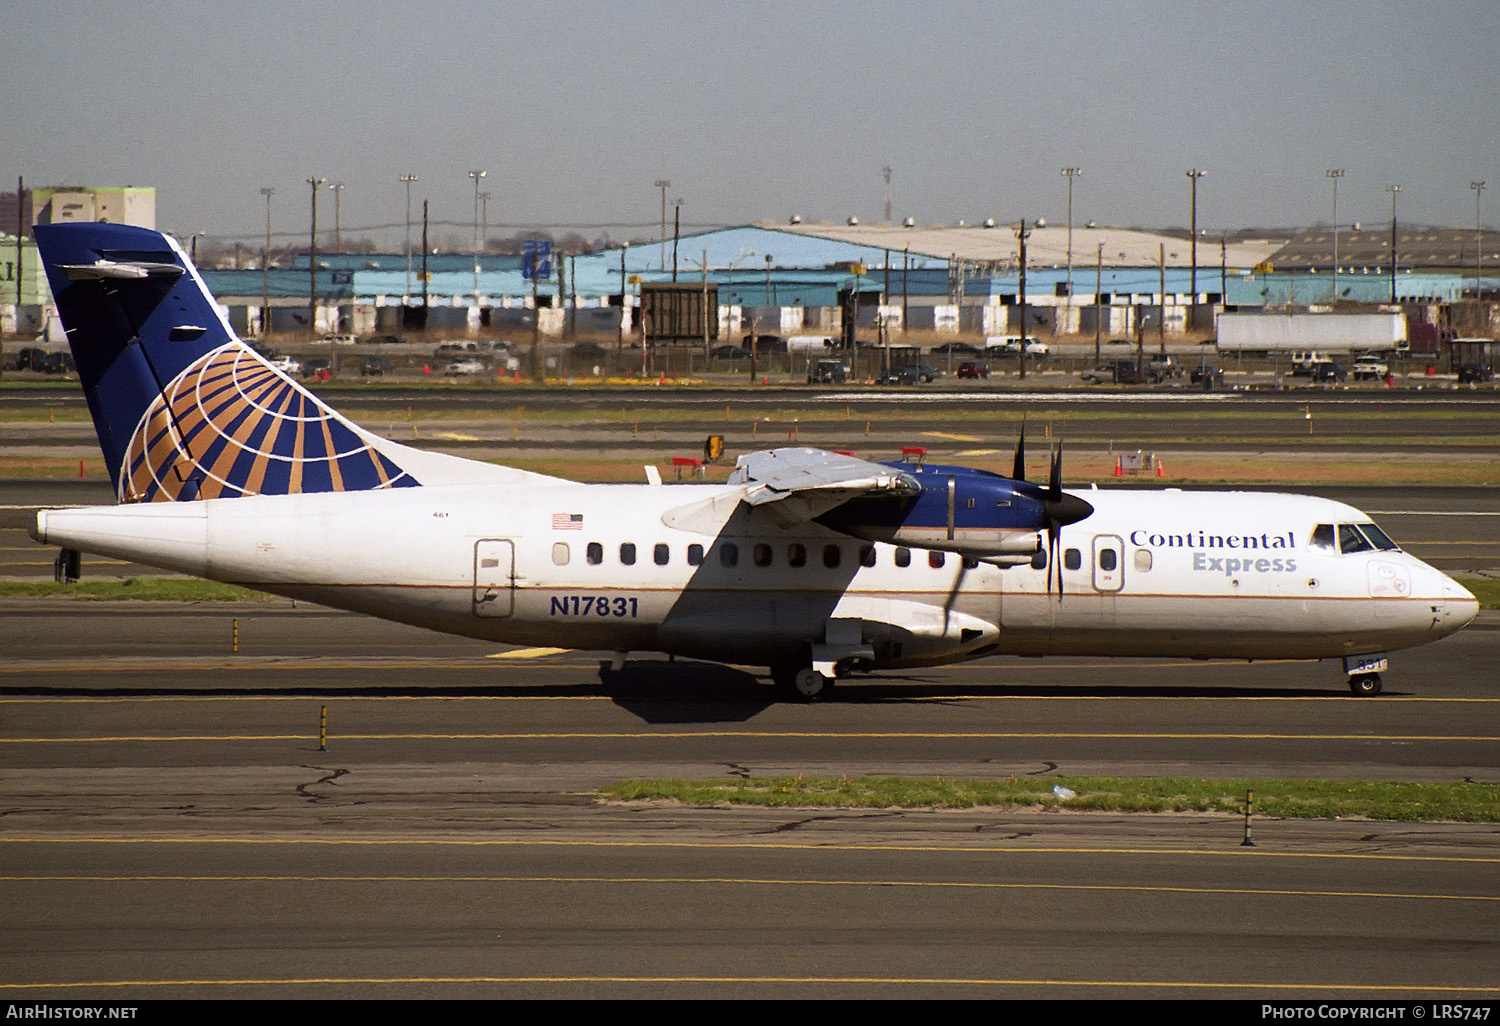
(796, 485)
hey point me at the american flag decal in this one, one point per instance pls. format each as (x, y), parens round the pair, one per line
(567, 521)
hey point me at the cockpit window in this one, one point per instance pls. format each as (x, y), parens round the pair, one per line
(1378, 538)
(1350, 540)
(1322, 537)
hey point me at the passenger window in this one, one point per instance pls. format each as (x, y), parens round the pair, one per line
(1350, 540)
(1322, 537)
(903, 557)
(1143, 559)
(1072, 559)
(762, 554)
(560, 554)
(867, 555)
(662, 554)
(627, 553)
(729, 554)
(935, 559)
(796, 555)
(831, 556)
(594, 553)
(695, 555)
(1108, 559)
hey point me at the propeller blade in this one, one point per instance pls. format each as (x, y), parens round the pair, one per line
(1018, 469)
(1054, 478)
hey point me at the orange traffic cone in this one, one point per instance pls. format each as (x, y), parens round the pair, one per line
(1161, 469)
(1118, 469)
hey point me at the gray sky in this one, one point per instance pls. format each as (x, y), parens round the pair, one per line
(759, 110)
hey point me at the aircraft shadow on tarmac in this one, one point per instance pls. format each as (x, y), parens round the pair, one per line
(663, 691)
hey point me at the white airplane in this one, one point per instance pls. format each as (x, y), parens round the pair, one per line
(810, 562)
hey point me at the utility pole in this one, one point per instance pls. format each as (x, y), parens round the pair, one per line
(338, 231)
(1098, 291)
(1193, 176)
(1393, 190)
(265, 267)
(408, 179)
(312, 258)
(1070, 173)
(1478, 188)
(1021, 297)
(663, 184)
(1334, 174)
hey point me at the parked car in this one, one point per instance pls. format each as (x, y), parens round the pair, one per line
(29, 358)
(381, 339)
(1474, 372)
(730, 352)
(286, 365)
(468, 367)
(1370, 368)
(1120, 372)
(827, 372)
(588, 351)
(316, 367)
(1010, 345)
(1164, 365)
(1207, 377)
(898, 376)
(764, 343)
(973, 369)
(55, 363)
(1328, 372)
(455, 348)
(927, 372)
(338, 340)
(374, 367)
(958, 349)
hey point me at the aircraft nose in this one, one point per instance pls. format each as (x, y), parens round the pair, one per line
(1460, 604)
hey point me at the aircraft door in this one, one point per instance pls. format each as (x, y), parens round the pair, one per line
(1109, 563)
(494, 577)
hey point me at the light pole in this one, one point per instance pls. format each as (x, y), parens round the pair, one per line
(1334, 174)
(1070, 173)
(312, 258)
(1023, 233)
(476, 175)
(1478, 188)
(1393, 190)
(265, 264)
(338, 234)
(1193, 177)
(407, 180)
(663, 184)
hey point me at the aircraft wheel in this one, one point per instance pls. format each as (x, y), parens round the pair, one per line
(1362, 685)
(811, 685)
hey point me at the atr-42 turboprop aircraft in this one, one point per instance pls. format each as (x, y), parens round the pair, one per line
(810, 562)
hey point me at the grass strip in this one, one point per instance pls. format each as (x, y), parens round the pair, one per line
(158, 589)
(1460, 802)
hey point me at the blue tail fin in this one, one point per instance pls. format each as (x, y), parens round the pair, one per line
(184, 409)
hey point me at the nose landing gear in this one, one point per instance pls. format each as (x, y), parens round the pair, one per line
(1364, 673)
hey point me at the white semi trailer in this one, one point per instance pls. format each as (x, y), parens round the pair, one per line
(1311, 332)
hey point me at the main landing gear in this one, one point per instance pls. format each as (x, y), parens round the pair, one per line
(1364, 684)
(800, 682)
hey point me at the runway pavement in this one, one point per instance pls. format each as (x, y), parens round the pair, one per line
(172, 827)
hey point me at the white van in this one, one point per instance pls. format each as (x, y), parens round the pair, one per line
(811, 346)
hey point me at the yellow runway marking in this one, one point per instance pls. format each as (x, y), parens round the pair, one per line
(952, 437)
(781, 981)
(777, 735)
(427, 841)
(734, 880)
(527, 653)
